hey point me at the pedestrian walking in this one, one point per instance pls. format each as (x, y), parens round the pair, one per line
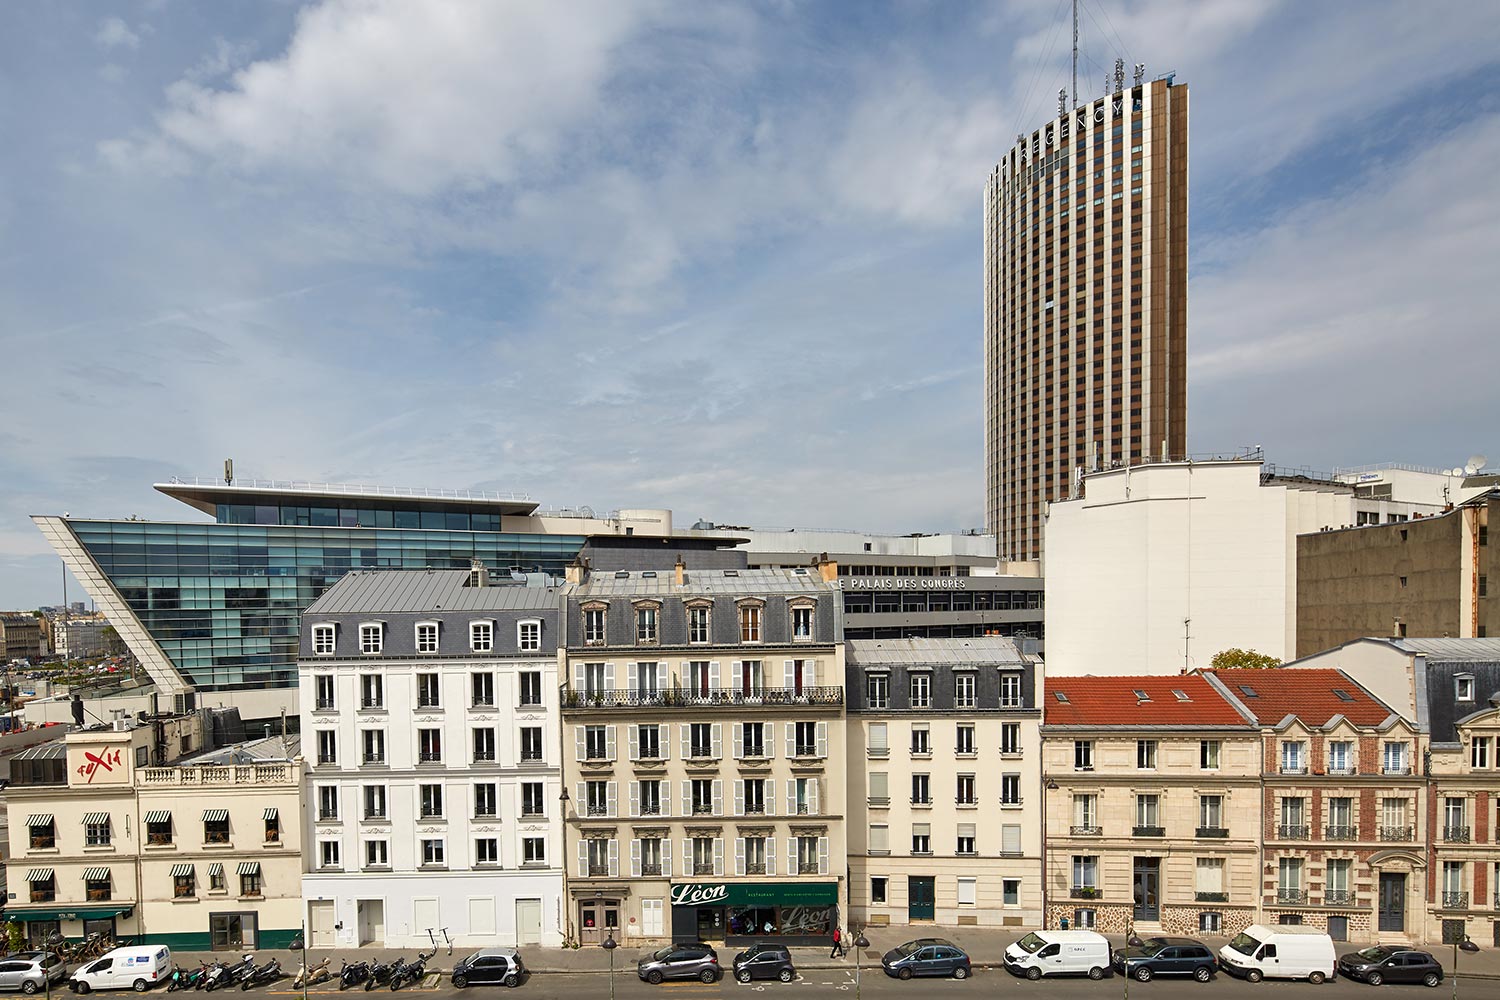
(835, 953)
(844, 940)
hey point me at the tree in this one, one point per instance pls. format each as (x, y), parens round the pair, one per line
(1242, 659)
(113, 644)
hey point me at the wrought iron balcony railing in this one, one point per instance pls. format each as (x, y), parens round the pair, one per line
(1455, 900)
(1340, 833)
(1291, 897)
(1396, 833)
(1085, 831)
(721, 697)
(1456, 834)
(1291, 831)
(1213, 831)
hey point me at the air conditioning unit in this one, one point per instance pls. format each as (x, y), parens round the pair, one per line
(122, 725)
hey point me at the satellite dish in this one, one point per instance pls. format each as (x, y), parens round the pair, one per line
(1474, 464)
(1456, 472)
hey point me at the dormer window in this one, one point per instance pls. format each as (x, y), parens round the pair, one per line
(482, 636)
(802, 622)
(371, 637)
(529, 635)
(427, 637)
(698, 621)
(646, 616)
(1463, 687)
(750, 616)
(594, 624)
(323, 637)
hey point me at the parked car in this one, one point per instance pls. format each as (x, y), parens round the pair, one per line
(132, 968)
(1280, 952)
(926, 957)
(31, 971)
(1386, 964)
(492, 965)
(764, 961)
(1166, 956)
(680, 961)
(1058, 953)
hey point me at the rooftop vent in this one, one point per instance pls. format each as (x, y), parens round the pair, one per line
(799, 571)
(622, 574)
(649, 574)
(731, 572)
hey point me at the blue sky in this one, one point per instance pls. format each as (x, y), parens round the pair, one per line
(720, 258)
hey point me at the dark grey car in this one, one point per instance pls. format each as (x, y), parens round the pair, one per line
(764, 961)
(1391, 965)
(680, 961)
(29, 971)
(492, 965)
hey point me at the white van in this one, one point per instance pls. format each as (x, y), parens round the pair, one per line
(1055, 953)
(1281, 952)
(138, 968)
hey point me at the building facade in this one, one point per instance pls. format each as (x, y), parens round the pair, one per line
(703, 756)
(102, 840)
(430, 718)
(20, 637)
(1153, 806)
(944, 783)
(1085, 301)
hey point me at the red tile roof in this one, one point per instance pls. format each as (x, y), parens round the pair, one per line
(1307, 694)
(1112, 701)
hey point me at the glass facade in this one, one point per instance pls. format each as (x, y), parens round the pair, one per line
(224, 600)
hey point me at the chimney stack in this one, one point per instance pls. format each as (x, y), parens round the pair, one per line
(578, 570)
(828, 568)
(679, 570)
(479, 574)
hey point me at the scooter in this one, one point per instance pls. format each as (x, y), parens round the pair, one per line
(411, 973)
(209, 968)
(226, 975)
(380, 975)
(353, 975)
(269, 972)
(186, 979)
(312, 977)
(242, 971)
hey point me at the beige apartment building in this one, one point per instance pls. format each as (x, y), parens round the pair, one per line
(703, 756)
(202, 853)
(945, 796)
(1153, 806)
(1464, 884)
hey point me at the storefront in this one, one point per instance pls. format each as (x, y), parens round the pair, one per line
(68, 921)
(792, 913)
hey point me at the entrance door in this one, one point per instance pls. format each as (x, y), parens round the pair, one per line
(1148, 889)
(1338, 928)
(651, 922)
(320, 923)
(1392, 902)
(103, 926)
(370, 914)
(231, 931)
(921, 897)
(597, 918)
(528, 921)
(710, 923)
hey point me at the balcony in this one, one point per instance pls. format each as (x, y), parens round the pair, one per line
(328, 758)
(598, 809)
(965, 800)
(651, 869)
(1212, 832)
(1291, 897)
(878, 801)
(703, 867)
(1291, 831)
(1211, 897)
(1338, 897)
(598, 869)
(235, 774)
(600, 753)
(1148, 831)
(1395, 769)
(430, 757)
(754, 751)
(373, 758)
(1341, 770)
(755, 808)
(372, 705)
(324, 705)
(1340, 833)
(1293, 769)
(807, 867)
(1456, 834)
(1085, 892)
(1455, 900)
(485, 756)
(828, 696)
(1397, 834)
(703, 809)
(807, 750)
(1086, 831)
(702, 751)
(755, 868)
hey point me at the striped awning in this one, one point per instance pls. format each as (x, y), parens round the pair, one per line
(96, 874)
(215, 868)
(249, 868)
(89, 819)
(271, 813)
(215, 815)
(182, 871)
(159, 816)
(39, 875)
(39, 819)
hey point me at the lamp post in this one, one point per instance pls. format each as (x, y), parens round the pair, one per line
(860, 941)
(1131, 941)
(1461, 944)
(567, 905)
(610, 945)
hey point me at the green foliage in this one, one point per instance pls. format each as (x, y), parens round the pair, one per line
(1242, 659)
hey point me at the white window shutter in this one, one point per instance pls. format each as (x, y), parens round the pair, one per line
(666, 857)
(791, 855)
(664, 741)
(687, 740)
(583, 859)
(612, 792)
(718, 855)
(718, 739)
(739, 800)
(791, 796)
(713, 675)
(768, 738)
(609, 677)
(578, 677)
(580, 742)
(1010, 839)
(581, 802)
(687, 798)
(770, 855)
(635, 804)
(738, 739)
(739, 855)
(635, 742)
(790, 675)
(791, 739)
(631, 679)
(812, 797)
(718, 797)
(770, 790)
(609, 742)
(687, 856)
(822, 855)
(822, 739)
(614, 858)
(664, 793)
(635, 855)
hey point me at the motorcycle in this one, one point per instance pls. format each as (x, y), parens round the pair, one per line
(269, 972)
(185, 979)
(353, 975)
(380, 975)
(225, 975)
(208, 969)
(242, 971)
(313, 976)
(411, 973)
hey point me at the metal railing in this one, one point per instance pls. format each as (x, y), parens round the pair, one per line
(328, 758)
(1396, 833)
(1396, 769)
(1340, 833)
(1211, 897)
(1085, 892)
(703, 867)
(1338, 897)
(598, 869)
(1293, 769)
(755, 867)
(1456, 834)
(753, 750)
(1215, 832)
(1085, 831)
(650, 868)
(597, 809)
(484, 756)
(430, 757)
(721, 697)
(1455, 900)
(807, 868)
(1148, 831)
(806, 750)
(354, 489)
(1291, 897)
(1291, 831)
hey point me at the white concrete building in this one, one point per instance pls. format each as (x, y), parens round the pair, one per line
(429, 713)
(1155, 568)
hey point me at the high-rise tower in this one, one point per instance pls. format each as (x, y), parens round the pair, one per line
(1085, 301)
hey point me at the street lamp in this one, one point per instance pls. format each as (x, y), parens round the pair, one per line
(610, 945)
(859, 942)
(1461, 944)
(566, 904)
(1131, 941)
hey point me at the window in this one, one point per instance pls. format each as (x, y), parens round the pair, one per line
(593, 626)
(878, 691)
(1145, 755)
(921, 790)
(1289, 878)
(371, 691)
(481, 636)
(428, 691)
(1210, 922)
(1010, 690)
(597, 798)
(96, 832)
(879, 788)
(43, 887)
(966, 795)
(1010, 892)
(1148, 815)
(749, 623)
(328, 854)
(427, 637)
(328, 802)
(431, 799)
(964, 691)
(432, 853)
(1455, 822)
(529, 635)
(752, 797)
(1463, 687)
(328, 746)
(921, 838)
(249, 879)
(184, 882)
(878, 889)
(1083, 755)
(967, 839)
(531, 744)
(879, 740)
(598, 678)
(1293, 757)
(1010, 789)
(1010, 738)
(802, 623)
(810, 739)
(1293, 817)
(755, 862)
(371, 637)
(967, 892)
(648, 743)
(1209, 881)
(323, 693)
(1208, 754)
(596, 743)
(216, 878)
(482, 687)
(531, 688)
(645, 624)
(964, 741)
(1085, 873)
(753, 739)
(702, 856)
(921, 691)
(377, 854)
(1336, 879)
(485, 801)
(487, 851)
(880, 839)
(921, 741)
(374, 802)
(96, 887)
(1479, 752)
(1340, 757)
(700, 740)
(429, 745)
(533, 851)
(701, 797)
(532, 801)
(271, 818)
(648, 795)
(1210, 815)
(323, 640)
(698, 632)
(1393, 758)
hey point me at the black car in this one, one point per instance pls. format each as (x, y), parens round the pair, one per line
(1166, 956)
(926, 957)
(764, 961)
(492, 965)
(1384, 964)
(680, 961)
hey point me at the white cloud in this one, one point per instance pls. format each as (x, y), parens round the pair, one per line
(115, 33)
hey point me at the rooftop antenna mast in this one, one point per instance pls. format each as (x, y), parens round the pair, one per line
(1075, 55)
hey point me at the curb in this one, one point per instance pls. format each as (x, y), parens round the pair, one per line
(821, 967)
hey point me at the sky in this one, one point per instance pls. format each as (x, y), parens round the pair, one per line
(721, 258)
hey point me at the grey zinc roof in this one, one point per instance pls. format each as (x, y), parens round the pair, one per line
(978, 651)
(662, 583)
(1452, 650)
(267, 749)
(418, 590)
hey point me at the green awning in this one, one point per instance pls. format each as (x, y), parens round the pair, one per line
(96, 874)
(271, 813)
(94, 819)
(67, 913)
(182, 871)
(215, 815)
(159, 816)
(249, 868)
(39, 875)
(754, 894)
(39, 819)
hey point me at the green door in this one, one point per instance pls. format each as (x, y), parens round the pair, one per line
(921, 897)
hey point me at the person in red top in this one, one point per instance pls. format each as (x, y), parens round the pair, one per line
(835, 953)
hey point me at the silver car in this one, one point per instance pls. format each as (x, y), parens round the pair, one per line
(30, 971)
